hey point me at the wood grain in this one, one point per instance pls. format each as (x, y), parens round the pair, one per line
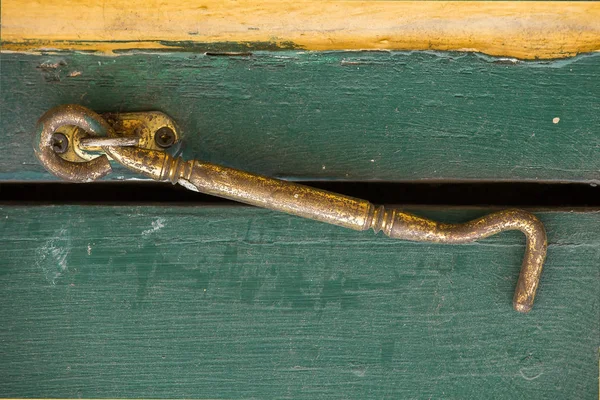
(525, 30)
(237, 302)
(331, 115)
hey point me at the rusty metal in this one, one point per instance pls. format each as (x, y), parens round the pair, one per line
(349, 212)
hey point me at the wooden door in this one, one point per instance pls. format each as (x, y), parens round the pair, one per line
(127, 289)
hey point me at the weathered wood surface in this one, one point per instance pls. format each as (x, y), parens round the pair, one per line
(340, 115)
(526, 30)
(236, 302)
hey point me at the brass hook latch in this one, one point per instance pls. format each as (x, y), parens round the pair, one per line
(152, 161)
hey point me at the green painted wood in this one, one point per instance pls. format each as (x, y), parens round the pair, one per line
(237, 302)
(331, 115)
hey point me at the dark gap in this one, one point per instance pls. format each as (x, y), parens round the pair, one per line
(498, 194)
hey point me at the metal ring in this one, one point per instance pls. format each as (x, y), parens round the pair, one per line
(71, 114)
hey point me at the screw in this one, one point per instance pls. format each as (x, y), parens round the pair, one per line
(60, 143)
(164, 137)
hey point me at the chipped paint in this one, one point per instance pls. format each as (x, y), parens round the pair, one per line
(519, 30)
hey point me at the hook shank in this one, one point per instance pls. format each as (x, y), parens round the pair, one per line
(349, 212)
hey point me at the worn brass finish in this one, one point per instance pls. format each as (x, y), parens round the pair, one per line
(70, 170)
(144, 125)
(74, 123)
(340, 210)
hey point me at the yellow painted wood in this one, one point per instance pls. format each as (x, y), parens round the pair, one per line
(524, 30)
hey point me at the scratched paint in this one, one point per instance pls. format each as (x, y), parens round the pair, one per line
(157, 225)
(51, 256)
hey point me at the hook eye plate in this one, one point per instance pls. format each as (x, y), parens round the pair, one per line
(74, 124)
(143, 125)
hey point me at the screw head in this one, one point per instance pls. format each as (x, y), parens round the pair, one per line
(60, 143)
(164, 137)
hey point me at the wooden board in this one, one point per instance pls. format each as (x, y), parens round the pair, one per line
(526, 30)
(331, 115)
(236, 302)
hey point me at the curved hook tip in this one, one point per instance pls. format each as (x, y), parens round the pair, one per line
(521, 307)
(406, 226)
